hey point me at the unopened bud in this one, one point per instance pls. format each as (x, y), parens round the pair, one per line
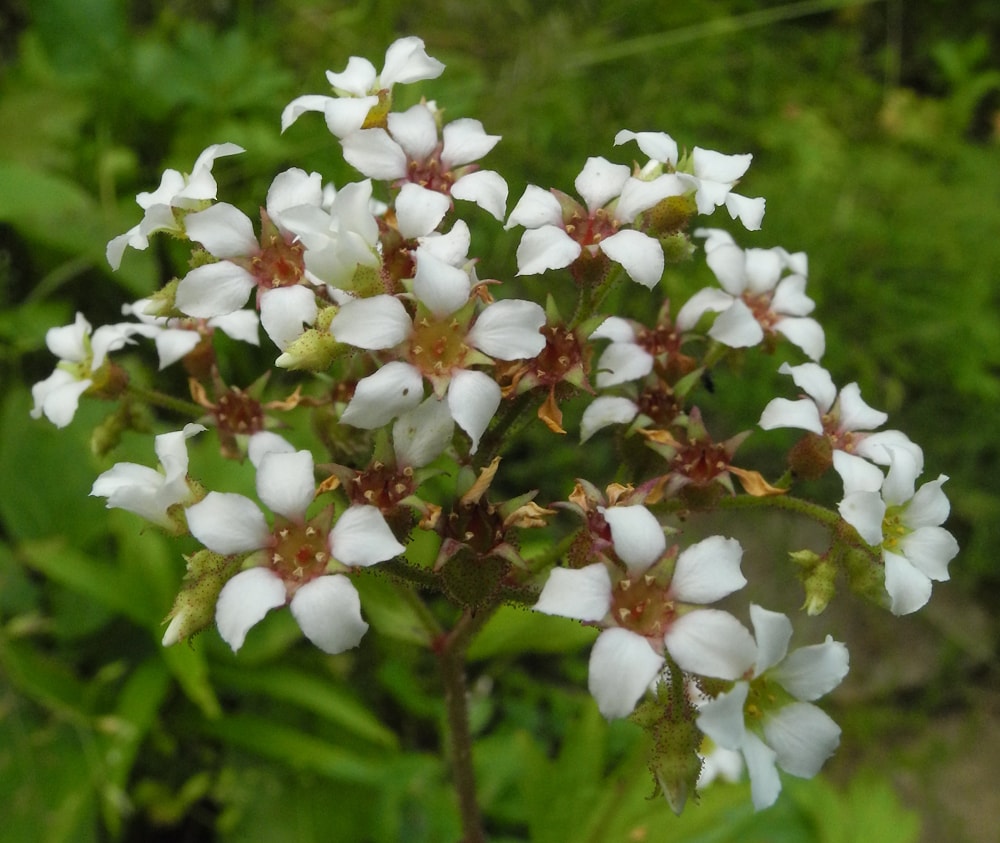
(811, 457)
(194, 607)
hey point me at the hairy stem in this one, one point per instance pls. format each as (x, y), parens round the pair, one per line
(451, 655)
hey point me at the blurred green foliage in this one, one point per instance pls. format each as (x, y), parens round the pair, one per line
(875, 132)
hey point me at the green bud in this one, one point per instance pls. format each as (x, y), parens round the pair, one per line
(194, 607)
(314, 351)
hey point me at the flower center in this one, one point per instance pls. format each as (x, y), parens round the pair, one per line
(643, 605)
(893, 529)
(299, 552)
(437, 347)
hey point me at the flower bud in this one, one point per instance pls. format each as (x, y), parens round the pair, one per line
(194, 607)
(811, 457)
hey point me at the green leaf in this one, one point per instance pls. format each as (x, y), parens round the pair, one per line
(189, 667)
(321, 695)
(514, 630)
(296, 749)
(389, 611)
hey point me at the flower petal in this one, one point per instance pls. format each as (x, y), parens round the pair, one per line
(712, 643)
(535, 208)
(773, 631)
(600, 181)
(285, 483)
(382, 396)
(375, 323)
(361, 537)
(638, 253)
(285, 311)
(374, 153)
(473, 398)
(484, 187)
(930, 549)
(224, 230)
(622, 666)
(214, 289)
(328, 611)
(509, 330)
(419, 210)
(580, 593)
(721, 718)
(765, 784)
(244, 601)
(802, 737)
(708, 571)
(228, 523)
(546, 247)
(812, 672)
(802, 414)
(637, 536)
(441, 287)
(908, 587)
(421, 434)
(604, 411)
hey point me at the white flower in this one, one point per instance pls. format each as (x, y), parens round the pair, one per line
(146, 491)
(273, 265)
(712, 178)
(409, 151)
(624, 359)
(904, 524)
(645, 617)
(756, 298)
(176, 338)
(778, 726)
(292, 558)
(360, 89)
(560, 229)
(843, 418)
(441, 344)
(177, 192)
(82, 355)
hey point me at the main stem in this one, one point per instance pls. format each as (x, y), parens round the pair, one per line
(452, 658)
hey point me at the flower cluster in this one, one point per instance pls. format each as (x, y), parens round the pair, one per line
(404, 376)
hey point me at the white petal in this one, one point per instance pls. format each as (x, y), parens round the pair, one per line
(580, 593)
(812, 672)
(637, 536)
(864, 511)
(600, 181)
(380, 397)
(361, 537)
(292, 188)
(421, 434)
(407, 61)
(877, 447)
(638, 253)
(616, 329)
(441, 287)
(465, 141)
(930, 549)
(802, 737)
(815, 381)
(377, 322)
(214, 289)
(712, 643)
(728, 262)
(264, 442)
(452, 246)
(722, 719)
(58, 397)
(772, 631)
(357, 79)
(639, 195)
(804, 333)
(716, 166)
(419, 210)
(228, 523)
(535, 208)
(908, 587)
(929, 506)
(750, 211)
(473, 398)
(244, 601)
(622, 666)
(855, 414)
(802, 414)
(708, 300)
(708, 571)
(285, 483)
(765, 784)
(484, 187)
(328, 611)
(345, 117)
(300, 105)
(285, 312)
(66, 341)
(415, 130)
(134, 488)
(174, 344)
(547, 247)
(790, 297)
(604, 411)
(225, 231)
(657, 145)
(622, 362)
(509, 330)
(375, 154)
(737, 327)
(762, 268)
